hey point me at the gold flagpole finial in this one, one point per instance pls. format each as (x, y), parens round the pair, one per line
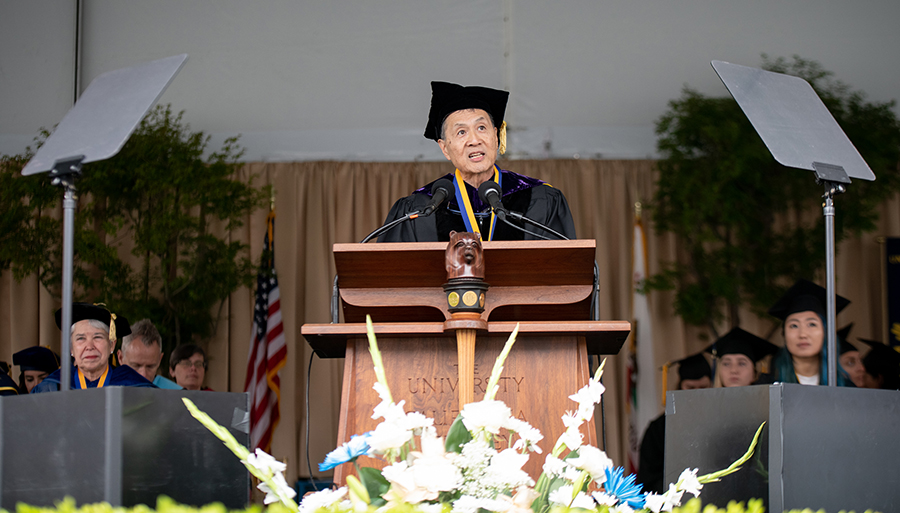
(637, 210)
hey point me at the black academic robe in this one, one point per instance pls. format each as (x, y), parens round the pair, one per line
(121, 376)
(651, 466)
(7, 385)
(531, 197)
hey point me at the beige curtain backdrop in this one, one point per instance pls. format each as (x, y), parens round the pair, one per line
(322, 203)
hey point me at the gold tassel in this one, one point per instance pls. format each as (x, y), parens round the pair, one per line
(112, 321)
(502, 137)
(665, 382)
(112, 326)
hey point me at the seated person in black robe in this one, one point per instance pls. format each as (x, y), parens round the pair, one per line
(35, 363)
(467, 123)
(694, 373)
(94, 334)
(7, 385)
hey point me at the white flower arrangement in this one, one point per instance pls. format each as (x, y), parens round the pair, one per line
(466, 473)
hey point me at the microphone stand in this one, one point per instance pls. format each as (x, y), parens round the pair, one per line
(65, 172)
(395, 222)
(519, 217)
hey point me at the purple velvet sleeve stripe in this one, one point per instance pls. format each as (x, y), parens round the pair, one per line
(512, 183)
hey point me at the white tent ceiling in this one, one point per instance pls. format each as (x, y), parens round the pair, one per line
(349, 80)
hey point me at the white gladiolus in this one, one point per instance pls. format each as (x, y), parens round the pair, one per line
(506, 471)
(570, 420)
(565, 496)
(414, 421)
(655, 503)
(666, 501)
(590, 393)
(688, 482)
(425, 474)
(490, 416)
(382, 392)
(321, 499)
(264, 462)
(528, 435)
(593, 461)
(283, 489)
(387, 436)
(572, 439)
(390, 412)
(553, 466)
(604, 499)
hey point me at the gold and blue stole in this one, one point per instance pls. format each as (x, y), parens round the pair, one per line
(83, 382)
(465, 206)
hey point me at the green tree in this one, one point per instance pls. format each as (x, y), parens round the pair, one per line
(749, 226)
(24, 224)
(162, 199)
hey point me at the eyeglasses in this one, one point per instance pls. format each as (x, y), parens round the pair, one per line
(187, 363)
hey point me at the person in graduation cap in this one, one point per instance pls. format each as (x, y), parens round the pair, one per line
(467, 123)
(882, 366)
(94, 333)
(35, 363)
(850, 359)
(737, 353)
(694, 373)
(804, 357)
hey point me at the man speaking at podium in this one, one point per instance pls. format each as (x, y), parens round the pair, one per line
(464, 121)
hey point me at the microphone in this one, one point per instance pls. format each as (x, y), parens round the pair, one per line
(440, 190)
(489, 192)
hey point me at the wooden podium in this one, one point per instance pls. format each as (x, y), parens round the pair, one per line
(545, 286)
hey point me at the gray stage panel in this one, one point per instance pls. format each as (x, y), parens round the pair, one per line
(121, 445)
(823, 447)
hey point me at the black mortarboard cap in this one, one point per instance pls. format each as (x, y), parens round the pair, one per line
(844, 341)
(85, 311)
(36, 358)
(805, 296)
(869, 342)
(447, 98)
(738, 341)
(693, 367)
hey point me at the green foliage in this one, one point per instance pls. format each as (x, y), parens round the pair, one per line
(749, 226)
(376, 485)
(24, 201)
(159, 198)
(457, 436)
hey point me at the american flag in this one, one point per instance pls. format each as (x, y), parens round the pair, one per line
(268, 352)
(643, 388)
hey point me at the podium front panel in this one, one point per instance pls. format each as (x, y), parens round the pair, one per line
(538, 376)
(708, 429)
